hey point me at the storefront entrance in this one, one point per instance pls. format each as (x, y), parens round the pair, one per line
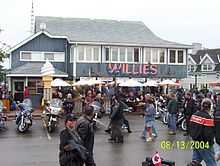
(18, 89)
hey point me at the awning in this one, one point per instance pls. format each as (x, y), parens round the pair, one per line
(32, 70)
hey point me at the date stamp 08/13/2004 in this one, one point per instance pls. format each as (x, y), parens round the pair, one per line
(183, 145)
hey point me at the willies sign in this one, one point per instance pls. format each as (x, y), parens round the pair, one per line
(132, 69)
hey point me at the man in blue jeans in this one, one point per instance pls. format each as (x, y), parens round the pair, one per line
(201, 129)
(173, 110)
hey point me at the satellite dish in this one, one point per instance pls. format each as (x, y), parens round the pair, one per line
(43, 26)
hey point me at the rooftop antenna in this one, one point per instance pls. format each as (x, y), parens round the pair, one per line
(32, 17)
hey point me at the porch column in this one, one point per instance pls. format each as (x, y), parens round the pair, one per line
(26, 81)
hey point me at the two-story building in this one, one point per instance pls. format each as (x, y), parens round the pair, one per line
(94, 48)
(203, 69)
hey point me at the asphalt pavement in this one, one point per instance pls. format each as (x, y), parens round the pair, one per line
(39, 148)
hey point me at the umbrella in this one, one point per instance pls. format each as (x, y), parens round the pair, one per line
(169, 83)
(131, 83)
(151, 83)
(81, 83)
(59, 82)
(88, 82)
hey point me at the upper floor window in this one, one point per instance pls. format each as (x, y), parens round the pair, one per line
(176, 56)
(122, 54)
(147, 55)
(88, 54)
(191, 68)
(207, 67)
(158, 55)
(42, 56)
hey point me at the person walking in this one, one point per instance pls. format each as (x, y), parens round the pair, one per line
(149, 118)
(172, 110)
(201, 129)
(189, 109)
(72, 152)
(85, 129)
(116, 121)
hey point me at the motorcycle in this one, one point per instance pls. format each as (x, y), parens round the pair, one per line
(51, 114)
(3, 118)
(161, 110)
(24, 116)
(181, 121)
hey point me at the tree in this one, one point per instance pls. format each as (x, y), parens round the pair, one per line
(2, 71)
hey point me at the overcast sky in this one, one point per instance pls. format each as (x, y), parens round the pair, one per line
(183, 21)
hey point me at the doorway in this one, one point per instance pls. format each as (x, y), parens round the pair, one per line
(18, 89)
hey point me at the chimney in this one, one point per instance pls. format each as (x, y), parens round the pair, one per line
(196, 47)
(43, 26)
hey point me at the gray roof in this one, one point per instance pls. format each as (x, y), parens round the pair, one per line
(213, 54)
(32, 69)
(106, 31)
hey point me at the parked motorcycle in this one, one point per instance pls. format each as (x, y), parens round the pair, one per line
(51, 114)
(181, 121)
(3, 118)
(24, 116)
(161, 110)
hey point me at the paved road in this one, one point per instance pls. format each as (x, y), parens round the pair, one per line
(38, 148)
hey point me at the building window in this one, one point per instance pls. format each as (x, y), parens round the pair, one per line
(88, 54)
(207, 67)
(49, 56)
(114, 54)
(180, 56)
(35, 86)
(96, 54)
(191, 68)
(36, 56)
(172, 56)
(80, 53)
(176, 56)
(154, 55)
(122, 53)
(25, 56)
(136, 54)
(161, 56)
(129, 54)
(107, 54)
(147, 55)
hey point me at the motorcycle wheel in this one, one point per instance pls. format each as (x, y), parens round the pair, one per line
(51, 128)
(165, 118)
(23, 128)
(183, 125)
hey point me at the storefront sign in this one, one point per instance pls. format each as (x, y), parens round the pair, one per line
(131, 69)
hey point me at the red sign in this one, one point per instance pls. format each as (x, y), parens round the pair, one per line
(132, 69)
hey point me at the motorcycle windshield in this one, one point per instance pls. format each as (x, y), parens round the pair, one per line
(57, 103)
(27, 104)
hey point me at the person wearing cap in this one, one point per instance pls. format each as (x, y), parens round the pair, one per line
(85, 129)
(201, 129)
(189, 109)
(70, 143)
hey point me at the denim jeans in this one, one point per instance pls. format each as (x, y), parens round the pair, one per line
(172, 122)
(208, 155)
(154, 131)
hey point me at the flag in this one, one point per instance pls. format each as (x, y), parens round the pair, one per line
(156, 159)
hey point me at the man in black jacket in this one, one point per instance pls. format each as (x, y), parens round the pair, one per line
(201, 129)
(85, 129)
(189, 109)
(69, 143)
